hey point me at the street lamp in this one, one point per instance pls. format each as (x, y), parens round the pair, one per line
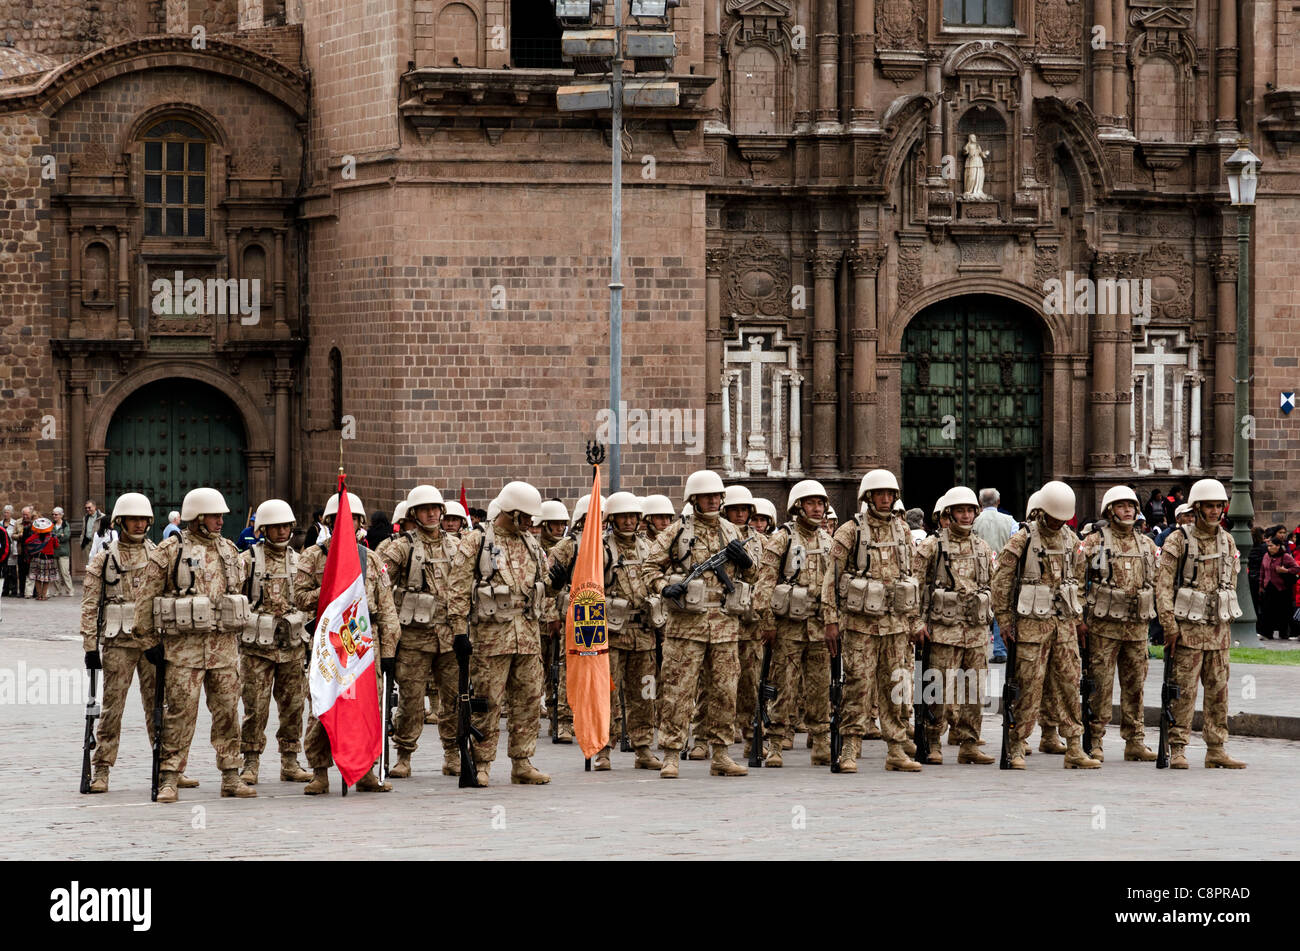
(1243, 178)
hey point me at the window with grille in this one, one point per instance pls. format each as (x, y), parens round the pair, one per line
(175, 180)
(977, 12)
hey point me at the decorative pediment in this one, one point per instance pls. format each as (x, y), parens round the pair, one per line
(758, 8)
(759, 20)
(1164, 18)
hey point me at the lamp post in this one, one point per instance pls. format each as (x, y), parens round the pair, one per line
(1243, 178)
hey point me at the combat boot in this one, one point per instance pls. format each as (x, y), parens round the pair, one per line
(898, 760)
(184, 782)
(698, 752)
(320, 783)
(1076, 758)
(166, 786)
(565, 734)
(249, 772)
(669, 768)
(1137, 751)
(526, 774)
(1217, 757)
(290, 771)
(849, 754)
(1050, 742)
(787, 743)
(1016, 754)
(370, 783)
(936, 754)
(821, 750)
(1097, 753)
(601, 762)
(232, 787)
(482, 773)
(451, 762)
(646, 760)
(970, 752)
(773, 759)
(1177, 757)
(402, 768)
(724, 765)
(430, 716)
(99, 782)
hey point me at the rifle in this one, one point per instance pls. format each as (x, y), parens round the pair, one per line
(922, 715)
(389, 704)
(624, 744)
(466, 731)
(93, 709)
(553, 701)
(160, 687)
(1010, 694)
(1086, 686)
(715, 563)
(1169, 692)
(766, 692)
(837, 698)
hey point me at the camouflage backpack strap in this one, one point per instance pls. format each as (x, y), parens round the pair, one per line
(861, 546)
(415, 563)
(1190, 552)
(679, 550)
(253, 589)
(945, 561)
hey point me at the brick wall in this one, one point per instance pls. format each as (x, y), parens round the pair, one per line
(280, 43)
(68, 28)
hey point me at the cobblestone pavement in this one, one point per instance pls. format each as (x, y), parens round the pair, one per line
(1122, 811)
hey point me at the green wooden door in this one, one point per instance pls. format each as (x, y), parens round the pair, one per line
(972, 401)
(172, 436)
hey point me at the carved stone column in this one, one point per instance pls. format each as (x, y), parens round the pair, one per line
(714, 259)
(828, 66)
(715, 121)
(824, 262)
(282, 382)
(1225, 65)
(863, 115)
(866, 264)
(78, 384)
(1124, 370)
(1119, 69)
(1102, 96)
(76, 322)
(96, 462)
(281, 325)
(934, 128)
(1104, 340)
(125, 331)
(1225, 357)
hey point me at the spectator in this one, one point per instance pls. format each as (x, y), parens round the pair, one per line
(381, 527)
(105, 535)
(916, 522)
(11, 527)
(41, 547)
(318, 532)
(1155, 510)
(1172, 501)
(1276, 596)
(90, 526)
(1183, 515)
(173, 525)
(25, 582)
(1258, 549)
(995, 528)
(63, 552)
(247, 537)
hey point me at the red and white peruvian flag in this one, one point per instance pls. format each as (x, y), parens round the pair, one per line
(343, 654)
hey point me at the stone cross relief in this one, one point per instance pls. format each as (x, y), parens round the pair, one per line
(974, 171)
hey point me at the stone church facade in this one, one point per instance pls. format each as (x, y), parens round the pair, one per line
(812, 258)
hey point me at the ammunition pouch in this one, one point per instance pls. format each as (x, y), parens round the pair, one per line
(1146, 599)
(194, 615)
(793, 602)
(164, 615)
(1228, 607)
(863, 595)
(739, 602)
(656, 612)
(485, 601)
(119, 618)
(259, 630)
(692, 601)
(905, 595)
(1191, 605)
(945, 610)
(233, 612)
(1070, 602)
(617, 612)
(1035, 600)
(979, 609)
(1109, 603)
(420, 609)
(292, 629)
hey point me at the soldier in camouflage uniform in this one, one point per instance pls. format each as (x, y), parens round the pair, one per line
(418, 563)
(554, 522)
(659, 514)
(631, 634)
(699, 631)
(956, 566)
(560, 559)
(738, 508)
(383, 618)
(497, 590)
(796, 558)
(272, 647)
(878, 601)
(1197, 601)
(117, 573)
(197, 578)
(1037, 603)
(1119, 564)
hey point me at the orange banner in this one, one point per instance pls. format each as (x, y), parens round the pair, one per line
(585, 634)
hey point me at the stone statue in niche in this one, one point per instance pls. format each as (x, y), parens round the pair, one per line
(974, 173)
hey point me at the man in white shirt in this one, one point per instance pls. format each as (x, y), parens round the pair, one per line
(995, 528)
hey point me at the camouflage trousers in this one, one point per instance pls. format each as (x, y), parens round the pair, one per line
(261, 679)
(751, 669)
(629, 670)
(414, 668)
(683, 661)
(181, 714)
(1106, 653)
(961, 672)
(120, 665)
(316, 744)
(1048, 672)
(515, 681)
(1210, 668)
(800, 670)
(1046, 710)
(879, 662)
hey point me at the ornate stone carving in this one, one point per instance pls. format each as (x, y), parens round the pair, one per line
(1047, 263)
(1060, 27)
(909, 270)
(714, 259)
(1171, 282)
(824, 262)
(899, 24)
(757, 279)
(866, 261)
(1224, 267)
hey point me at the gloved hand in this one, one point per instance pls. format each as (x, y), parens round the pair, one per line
(388, 665)
(92, 661)
(675, 591)
(737, 555)
(154, 655)
(561, 574)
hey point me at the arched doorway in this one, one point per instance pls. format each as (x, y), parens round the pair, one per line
(972, 400)
(171, 436)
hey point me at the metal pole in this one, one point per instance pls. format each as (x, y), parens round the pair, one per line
(616, 254)
(1240, 508)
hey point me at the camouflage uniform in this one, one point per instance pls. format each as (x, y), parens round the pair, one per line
(1128, 566)
(749, 649)
(423, 647)
(1201, 651)
(875, 648)
(196, 661)
(383, 619)
(506, 665)
(275, 668)
(564, 552)
(1047, 648)
(959, 561)
(122, 655)
(800, 658)
(631, 649)
(692, 640)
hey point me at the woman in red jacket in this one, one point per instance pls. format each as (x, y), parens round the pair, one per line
(1277, 577)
